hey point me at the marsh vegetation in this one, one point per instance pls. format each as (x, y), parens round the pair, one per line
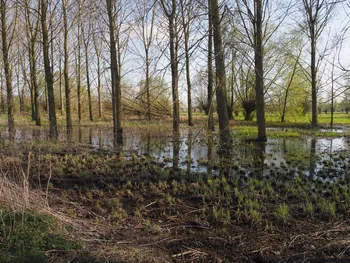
(165, 198)
(174, 131)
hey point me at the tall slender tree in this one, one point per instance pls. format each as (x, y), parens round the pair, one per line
(98, 52)
(32, 30)
(220, 76)
(48, 70)
(170, 8)
(210, 68)
(78, 60)
(7, 35)
(66, 66)
(317, 14)
(259, 70)
(116, 88)
(186, 15)
(86, 39)
(145, 19)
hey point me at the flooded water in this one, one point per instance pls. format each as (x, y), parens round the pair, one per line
(195, 151)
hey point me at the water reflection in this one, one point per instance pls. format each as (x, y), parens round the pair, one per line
(312, 167)
(197, 151)
(259, 156)
(210, 154)
(176, 150)
(189, 151)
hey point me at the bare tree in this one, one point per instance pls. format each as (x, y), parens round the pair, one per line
(260, 19)
(48, 70)
(317, 14)
(210, 68)
(145, 18)
(220, 75)
(65, 3)
(187, 18)
(2, 96)
(78, 59)
(86, 39)
(7, 35)
(98, 52)
(32, 30)
(170, 9)
(116, 88)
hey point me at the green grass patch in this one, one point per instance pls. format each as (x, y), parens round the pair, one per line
(340, 118)
(25, 237)
(252, 131)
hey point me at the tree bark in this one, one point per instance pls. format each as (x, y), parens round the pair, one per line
(86, 45)
(78, 68)
(60, 84)
(116, 100)
(225, 136)
(7, 69)
(259, 72)
(210, 69)
(148, 86)
(2, 99)
(99, 83)
(66, 69)
(48, 72)
(186, 31)
(174, 63)
(314, 121)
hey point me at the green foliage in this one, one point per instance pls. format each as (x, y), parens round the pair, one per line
(328, 208)
(26, 236)
(282, 211)
(308, 208)
(252, 132)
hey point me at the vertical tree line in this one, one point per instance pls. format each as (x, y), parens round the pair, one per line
(84, 58)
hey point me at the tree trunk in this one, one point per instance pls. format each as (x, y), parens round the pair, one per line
(259, 72)
(32, 34)
(117, 128)
(34, 81)
(174, 73)
(186, 31)
(19, 89)
(284, 110)
(220, 77)
(210, 69)
(32, 103)
(78, 72)
(30, 84)
(98, 58)
(99, 87)
(314, 122)
(7, 69)
(173, 62)
(48, 72)
(86, 45)
(2, 99)
(60, 84)
(148, 86)
(233, 79)
(332, 95)
(66, 70)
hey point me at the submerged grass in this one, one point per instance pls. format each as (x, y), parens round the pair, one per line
(252, 131)
(143, 211)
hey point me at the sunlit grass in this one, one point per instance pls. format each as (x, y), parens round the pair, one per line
(252, 131)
